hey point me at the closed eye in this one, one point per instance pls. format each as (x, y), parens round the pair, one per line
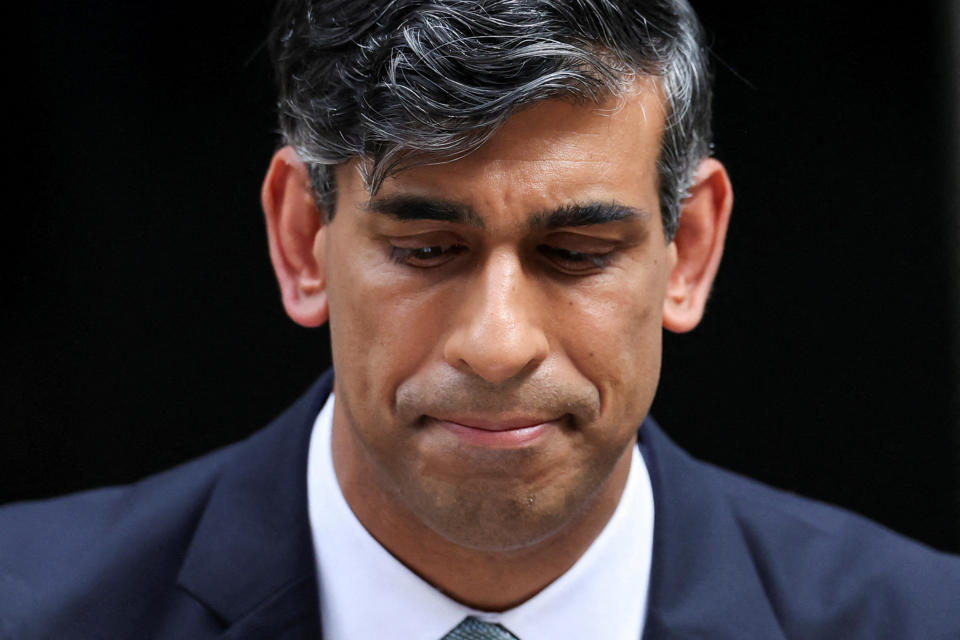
(425, 257)
(576, 262)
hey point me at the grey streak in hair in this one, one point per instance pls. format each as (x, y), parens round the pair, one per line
(405, 82)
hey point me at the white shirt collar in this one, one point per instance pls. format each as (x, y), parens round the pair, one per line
(367, 593)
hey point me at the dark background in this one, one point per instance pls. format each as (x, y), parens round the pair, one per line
(144, 326)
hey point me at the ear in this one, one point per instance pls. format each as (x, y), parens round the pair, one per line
(295, 232)
(704, 217)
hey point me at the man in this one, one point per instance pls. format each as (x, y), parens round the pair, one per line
(496, 206)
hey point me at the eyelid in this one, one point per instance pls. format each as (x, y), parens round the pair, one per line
(445, 252)
(423, 238)
(574, 262)
(571, 253)
(580, 238)
(587, 245)
(388, 227)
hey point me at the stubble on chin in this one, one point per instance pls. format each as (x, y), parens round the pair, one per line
(503, 500)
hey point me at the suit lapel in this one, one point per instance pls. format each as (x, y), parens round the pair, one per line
(703, 580)
(251, 560)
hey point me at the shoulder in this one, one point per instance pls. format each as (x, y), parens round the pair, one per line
(180, 554)
(744, 556)
(809, 525)
(121, 543)
(827, 570)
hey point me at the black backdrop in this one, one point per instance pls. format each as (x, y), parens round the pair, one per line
(144, 327)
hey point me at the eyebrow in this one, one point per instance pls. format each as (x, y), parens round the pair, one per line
(585, 214)
(409, 208)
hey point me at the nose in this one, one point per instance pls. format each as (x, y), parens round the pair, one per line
(498, 335)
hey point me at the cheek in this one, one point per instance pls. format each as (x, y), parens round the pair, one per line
(617, 343)
(381, 331)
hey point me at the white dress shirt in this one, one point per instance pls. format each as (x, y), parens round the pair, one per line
(366, 593)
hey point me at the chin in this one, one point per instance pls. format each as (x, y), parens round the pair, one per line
(485, 515)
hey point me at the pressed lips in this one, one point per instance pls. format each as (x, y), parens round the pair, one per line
(496, 433)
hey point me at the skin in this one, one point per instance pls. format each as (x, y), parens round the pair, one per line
(493, 357)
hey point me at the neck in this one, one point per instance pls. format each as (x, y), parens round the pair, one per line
(486, 580)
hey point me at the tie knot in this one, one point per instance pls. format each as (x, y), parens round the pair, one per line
(475, 629)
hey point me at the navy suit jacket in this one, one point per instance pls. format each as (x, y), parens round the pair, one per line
(221, 548)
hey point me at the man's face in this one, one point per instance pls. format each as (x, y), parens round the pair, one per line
(496, 322)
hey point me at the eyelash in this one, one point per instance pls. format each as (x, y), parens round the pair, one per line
(404, 256)
(598, 260)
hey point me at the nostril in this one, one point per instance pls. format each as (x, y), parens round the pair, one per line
(498, 333)
(497, 356)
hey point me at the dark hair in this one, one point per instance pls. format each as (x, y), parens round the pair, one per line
(402, 82)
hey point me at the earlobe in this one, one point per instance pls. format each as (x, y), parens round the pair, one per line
(704, 217)
(295, 233)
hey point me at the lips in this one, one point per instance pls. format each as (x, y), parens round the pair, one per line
(507, 432)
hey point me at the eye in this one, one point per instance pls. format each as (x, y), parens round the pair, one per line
(425, 257)
(576, 262)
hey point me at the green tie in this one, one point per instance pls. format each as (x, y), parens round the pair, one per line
(473, 629)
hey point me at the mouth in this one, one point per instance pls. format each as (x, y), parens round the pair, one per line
(497, 433)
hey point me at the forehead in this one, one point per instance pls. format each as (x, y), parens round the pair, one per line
(550, 154)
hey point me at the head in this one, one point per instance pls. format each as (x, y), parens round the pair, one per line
(497, 205)
(406, 82)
